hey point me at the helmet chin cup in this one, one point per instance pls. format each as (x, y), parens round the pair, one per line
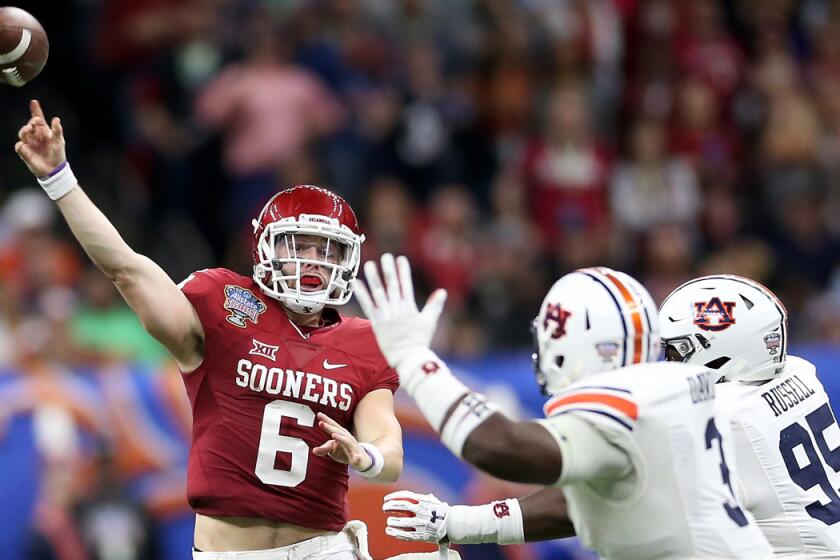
(300, 307)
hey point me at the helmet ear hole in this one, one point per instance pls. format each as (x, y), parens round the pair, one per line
(717, 363)
(559, 361)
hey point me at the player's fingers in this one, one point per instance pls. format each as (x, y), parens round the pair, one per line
(401, 506)
(57, 130)
(402, 534)
(25, 152)
(402, 495)
(35, 109)
(404, 523)
(346, 442)
(23, 132)
(406, 283)
(434, 306)
(331, 426)
(325, 449)
(324, 418)
(330, 429)
(363, 297)
(333, 429)
(42, 132)
(392, 282)
(376, 289)
(364, 300)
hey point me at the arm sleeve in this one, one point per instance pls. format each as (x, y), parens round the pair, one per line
(588, 454)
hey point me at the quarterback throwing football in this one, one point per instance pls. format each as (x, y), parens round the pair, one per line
(275, 375)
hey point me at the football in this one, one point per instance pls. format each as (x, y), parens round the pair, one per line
(23, 46)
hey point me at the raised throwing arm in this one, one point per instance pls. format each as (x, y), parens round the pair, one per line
(165, 312)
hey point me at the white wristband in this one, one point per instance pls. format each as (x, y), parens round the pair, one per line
(497, 522)
(59, 182)
(377, 461)
(471, 412)
(432, 386)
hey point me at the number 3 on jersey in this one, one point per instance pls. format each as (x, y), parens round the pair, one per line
(813, 472)
(271, 443)
(734, 512)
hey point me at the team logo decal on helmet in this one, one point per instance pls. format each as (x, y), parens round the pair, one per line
(773, 341)
(243, 305)
(607, 350)
(714, 315)
(557, 315)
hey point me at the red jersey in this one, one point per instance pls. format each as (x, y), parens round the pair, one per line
(254, 400)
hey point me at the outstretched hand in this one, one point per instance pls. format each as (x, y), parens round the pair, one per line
(400, 328)
(342, 445)
(415, 517)
(41, 146)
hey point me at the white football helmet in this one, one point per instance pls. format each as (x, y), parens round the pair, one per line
(728, 323)
(591, 321)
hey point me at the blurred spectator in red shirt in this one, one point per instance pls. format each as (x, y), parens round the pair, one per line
(445, 247)
(566, 170)
(698, 131)
(707, 50)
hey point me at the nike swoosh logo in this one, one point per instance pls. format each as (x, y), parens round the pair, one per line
(328, 365)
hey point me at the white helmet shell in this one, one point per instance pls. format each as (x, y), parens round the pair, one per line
(728, 323)
(591, 321)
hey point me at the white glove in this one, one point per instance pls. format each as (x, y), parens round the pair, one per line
(402, 331)
(415, 517)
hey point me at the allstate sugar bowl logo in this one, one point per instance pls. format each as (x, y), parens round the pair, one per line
(243, 305)
(772, 342)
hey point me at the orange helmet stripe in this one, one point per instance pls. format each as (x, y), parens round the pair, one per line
(635, 308)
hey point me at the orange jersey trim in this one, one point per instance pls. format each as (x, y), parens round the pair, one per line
(625, 406)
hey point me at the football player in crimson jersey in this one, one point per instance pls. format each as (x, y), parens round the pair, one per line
(285, 391)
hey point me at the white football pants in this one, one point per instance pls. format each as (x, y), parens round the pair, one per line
(349, 544)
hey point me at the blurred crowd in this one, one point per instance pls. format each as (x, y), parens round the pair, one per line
(498, 143)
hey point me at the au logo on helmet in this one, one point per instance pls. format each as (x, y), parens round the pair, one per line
(555, 312)
(714, 315)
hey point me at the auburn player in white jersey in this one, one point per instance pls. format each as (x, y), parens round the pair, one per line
(786, 438)
(636, 446)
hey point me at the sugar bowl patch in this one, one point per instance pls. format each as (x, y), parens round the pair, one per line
(772, 342)
(243, 305)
